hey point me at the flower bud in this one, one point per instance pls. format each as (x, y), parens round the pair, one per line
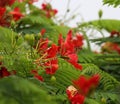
(100, 13)
(53, 79)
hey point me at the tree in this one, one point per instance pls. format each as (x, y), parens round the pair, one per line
(44, 62)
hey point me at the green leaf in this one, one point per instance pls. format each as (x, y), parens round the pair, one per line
(107, 82)
(114, 3)
(107, 24)
(64, 76)
(99, 41)
(16, 90)
(91, 101)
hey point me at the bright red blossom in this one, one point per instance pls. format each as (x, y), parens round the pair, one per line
(77, 93)
(40, 78)
(48, 10)
(16, 14)
(116, 47)
(52, 51)
(84, 84)
(74, 96)
(115, 33)
(42, 45)
(4, 19)
(78, 41)
(68, 44)
(111, 47)
(4, 3)
(67, 48)
(36, 75)
(52, 66)
(43, 31)
(2, 12)
(4, 72)
(49, 61)
(52, 62)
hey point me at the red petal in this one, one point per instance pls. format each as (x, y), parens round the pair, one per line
(2, 12)
(4, 72)
(43, 31)
(40, 78)
(52, 51)
(16, 14)
(34, 72)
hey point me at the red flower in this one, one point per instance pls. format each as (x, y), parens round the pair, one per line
(115, 33)
(78, 41)
(4, 72)
(48, 10)
(4, 19)
(52, 51)
(52, 66)
(2, 12)
(60, 40)
(42, 45)
(46, 6)
(116, 47)
(55, 11)
(67, 48)
(94, 80)
(84, 84)
(36, 75)
(4, 3)
(49, 60)
(111, 47)
(16, 14)
(43, 31)
(40, 78)
(73, 58)
(74, 96)
(34, 72)
(52, 62)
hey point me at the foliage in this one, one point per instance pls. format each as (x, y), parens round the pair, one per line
(114, 3)
(37, 66)
(106, 24)
(22, 91)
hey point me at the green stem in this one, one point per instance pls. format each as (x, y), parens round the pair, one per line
(87, 40)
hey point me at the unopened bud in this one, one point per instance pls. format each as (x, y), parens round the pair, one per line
(100, 13)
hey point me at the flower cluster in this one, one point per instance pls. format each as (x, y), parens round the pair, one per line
(47, 8)
(48, 58)
(7, 16)
(4, 72)
(4, 3)
(66, 49)
(114, 33)
(110, 47)
(69, 46)
(81, 87)
(4, 18)
(36, 75)
(16, 14)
